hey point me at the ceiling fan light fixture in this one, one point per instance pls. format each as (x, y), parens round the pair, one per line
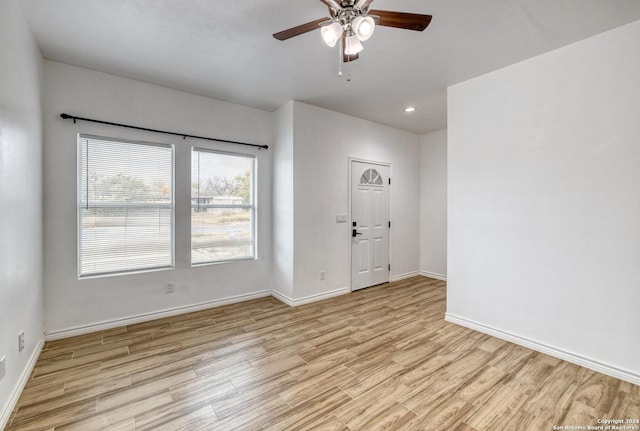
(363, 27)
(352, 45)
(331, 33)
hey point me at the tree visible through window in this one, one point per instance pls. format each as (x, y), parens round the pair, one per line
(222, 206)
(125, 206)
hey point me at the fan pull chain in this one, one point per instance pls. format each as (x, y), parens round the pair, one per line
(341, 63)
(339, 59)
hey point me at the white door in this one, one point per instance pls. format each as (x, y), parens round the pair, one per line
(369, 224)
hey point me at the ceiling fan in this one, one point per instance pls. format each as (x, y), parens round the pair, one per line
(353, 22)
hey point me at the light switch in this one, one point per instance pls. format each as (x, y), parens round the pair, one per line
(341, 218)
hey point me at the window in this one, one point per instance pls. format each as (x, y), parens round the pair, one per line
(125, 206)
(223, 209)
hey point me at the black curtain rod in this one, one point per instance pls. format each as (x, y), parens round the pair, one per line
(184, 135)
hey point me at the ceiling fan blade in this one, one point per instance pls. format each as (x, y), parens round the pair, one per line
(408, 21)
(362, 4)
(333, 5)
(300, 29)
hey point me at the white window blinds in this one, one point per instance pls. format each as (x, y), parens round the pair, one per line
(223, 210)
(125, 206)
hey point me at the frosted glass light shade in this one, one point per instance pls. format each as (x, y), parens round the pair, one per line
(363, 26)
(331, 33)
(352, 45)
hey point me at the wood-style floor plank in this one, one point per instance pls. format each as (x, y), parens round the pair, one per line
(382, 358)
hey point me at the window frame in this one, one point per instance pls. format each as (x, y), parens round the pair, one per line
(80, 207)
(253, 206)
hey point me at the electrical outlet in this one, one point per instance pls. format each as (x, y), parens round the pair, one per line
(321, 275)
(170, 287)
(21, 342)
(3, 366)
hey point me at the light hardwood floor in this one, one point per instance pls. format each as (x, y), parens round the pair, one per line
(378, 359)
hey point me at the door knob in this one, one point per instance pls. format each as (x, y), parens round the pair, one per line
(354, 233)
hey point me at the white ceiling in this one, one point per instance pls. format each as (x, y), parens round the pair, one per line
(224, 48)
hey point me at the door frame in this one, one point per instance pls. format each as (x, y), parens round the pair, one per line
(352, 159)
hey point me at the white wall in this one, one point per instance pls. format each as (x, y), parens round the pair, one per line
(544, 201)
(306, 238)
(323, 142)
(282, 205)
(72, 303)
(433, 204)
(20, 201)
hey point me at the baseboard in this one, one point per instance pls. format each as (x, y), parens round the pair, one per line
(110, 324)
(577, 359)
(5, 414)
(282, 298)
(405, 276)
(309, 299)
(433, 275)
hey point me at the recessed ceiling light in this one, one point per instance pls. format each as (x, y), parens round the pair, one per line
(410, 109)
